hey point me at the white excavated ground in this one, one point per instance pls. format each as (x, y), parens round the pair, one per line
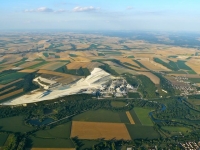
(97, 80)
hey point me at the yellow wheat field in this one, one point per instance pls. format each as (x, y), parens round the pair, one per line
(130, 117)
(28, 70)
(98, 130)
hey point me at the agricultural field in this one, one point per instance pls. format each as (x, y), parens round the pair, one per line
(152, 66)
(54, 73)
(194, 80)
(41, 63)
(193, 64)
(56, 138)
(6, 85)
(99, 130)
(60, 131)
(146, 91)
(89, 65)
(14, 124)
(123, 117)
(134, 95)
(80, 59)
(177, 130)
(151, 76)
(29, 64)
(130, 117)
(129, 61)
(6, 90)
(7, 78)
(122, 70)
(118, 104)
(135, 117)
(194, 101)
(78, 71)
(28, 70)
(142, 132)
(11, 94)
(100, 115)
(52, 66)
(143, 116)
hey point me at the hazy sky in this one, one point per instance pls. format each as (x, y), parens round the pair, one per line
(167, 15)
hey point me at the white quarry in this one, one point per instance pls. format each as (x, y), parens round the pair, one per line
(98, 81)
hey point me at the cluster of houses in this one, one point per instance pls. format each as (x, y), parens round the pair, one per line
(190, 146)
(181, 83)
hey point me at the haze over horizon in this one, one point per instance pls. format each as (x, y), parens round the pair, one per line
(171, 15)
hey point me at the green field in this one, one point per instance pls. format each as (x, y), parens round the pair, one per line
(14, 124)
(137, 132)
(101, 54)
(125, 63)
(112, 53)
(135, 117)
(50, 143)
(194, 101)
(73, 55)
(131, 56)
(5, 79)
(118, 104)
(143, 115)
(183, 130)
(146, 91)
(194, 80)
(177, 72)
(3, 138)
(22, 61)
(181, 64)
(172, 56)
(46, 54)
(100, 115)
(61, 131)
(38, 65)
(133, 95)
(123, 117)
(171, 65)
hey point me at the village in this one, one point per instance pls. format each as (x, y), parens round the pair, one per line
(190, 145)
(183, 84)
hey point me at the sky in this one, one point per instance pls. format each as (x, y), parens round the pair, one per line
(109, 15)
